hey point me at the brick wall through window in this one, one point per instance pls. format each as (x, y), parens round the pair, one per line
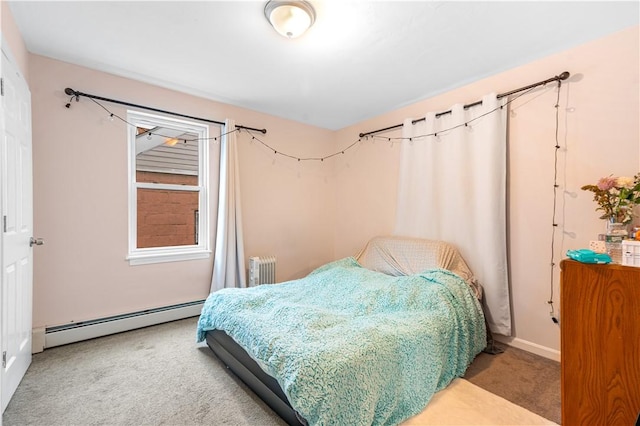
(166, 217)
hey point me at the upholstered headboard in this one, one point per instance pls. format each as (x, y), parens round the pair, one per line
(405, 256)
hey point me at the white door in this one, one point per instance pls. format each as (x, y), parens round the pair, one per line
(17, 226)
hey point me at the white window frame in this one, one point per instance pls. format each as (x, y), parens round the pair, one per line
(202, 250)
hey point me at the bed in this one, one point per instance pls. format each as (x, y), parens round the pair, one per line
(362, 340)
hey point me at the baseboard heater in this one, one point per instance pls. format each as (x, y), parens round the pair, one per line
(85, 330)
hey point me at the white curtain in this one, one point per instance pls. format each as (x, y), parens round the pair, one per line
(452, 187)
(228, 262)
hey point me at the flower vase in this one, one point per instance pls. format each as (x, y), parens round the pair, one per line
(616, 232)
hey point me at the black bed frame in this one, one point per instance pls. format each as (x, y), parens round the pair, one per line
(268, 388)
(243, 366)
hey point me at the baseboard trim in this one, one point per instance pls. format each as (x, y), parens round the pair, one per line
(525, 345)
(76, 332)
(37, 340)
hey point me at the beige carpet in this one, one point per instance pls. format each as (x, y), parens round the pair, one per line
(160, 376)
(463, 403)
(525, 379)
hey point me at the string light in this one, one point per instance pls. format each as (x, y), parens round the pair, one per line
(466, 124)
(113, 115)
(554, 225)
(373, 138)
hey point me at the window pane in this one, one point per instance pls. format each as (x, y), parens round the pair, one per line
(165, 153)
(167, 218)
(169, 194)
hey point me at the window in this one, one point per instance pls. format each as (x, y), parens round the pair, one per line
(168, 189)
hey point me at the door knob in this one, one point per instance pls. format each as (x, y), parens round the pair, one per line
(35, 242)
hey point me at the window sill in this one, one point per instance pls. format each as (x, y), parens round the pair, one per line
(167, 256)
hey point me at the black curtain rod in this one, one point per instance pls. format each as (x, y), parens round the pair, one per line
(77, 94)
(562, 76)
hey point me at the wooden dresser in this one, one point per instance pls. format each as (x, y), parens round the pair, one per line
(600, 344)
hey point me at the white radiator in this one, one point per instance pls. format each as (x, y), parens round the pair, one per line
(262, 270)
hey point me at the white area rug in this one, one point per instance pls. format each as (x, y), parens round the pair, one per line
(463, 403)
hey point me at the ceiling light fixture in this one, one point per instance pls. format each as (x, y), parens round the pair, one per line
(290, 18)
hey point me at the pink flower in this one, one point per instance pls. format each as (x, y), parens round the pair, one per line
(606, 183)
(616, 197)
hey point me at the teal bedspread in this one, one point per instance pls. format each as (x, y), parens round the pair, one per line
(350, 346)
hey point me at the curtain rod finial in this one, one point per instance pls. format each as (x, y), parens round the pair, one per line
(565, 75)
(69, 91)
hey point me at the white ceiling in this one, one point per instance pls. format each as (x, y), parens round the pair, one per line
(359, 60)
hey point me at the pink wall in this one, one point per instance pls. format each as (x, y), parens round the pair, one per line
(12, 39)
(80, 198)
(599, 135)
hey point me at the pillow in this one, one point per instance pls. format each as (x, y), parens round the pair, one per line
(397, 256)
